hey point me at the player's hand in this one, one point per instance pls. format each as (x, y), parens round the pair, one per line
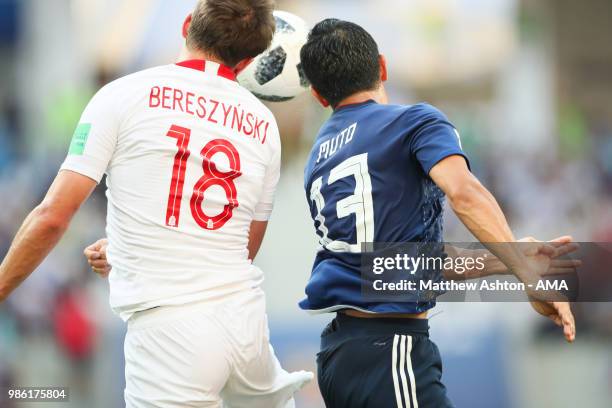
(560, 313)
(547, 254)
(555, 249)
(96, 257)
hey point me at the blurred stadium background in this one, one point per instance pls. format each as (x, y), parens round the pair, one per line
(528, 83)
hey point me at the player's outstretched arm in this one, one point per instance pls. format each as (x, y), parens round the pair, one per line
(563, 245)
(43, 228)
(479, 211)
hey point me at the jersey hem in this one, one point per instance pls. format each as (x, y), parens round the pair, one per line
(336, 308)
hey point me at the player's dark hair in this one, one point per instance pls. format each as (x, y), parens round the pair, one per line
(340, 59)
(232, 30)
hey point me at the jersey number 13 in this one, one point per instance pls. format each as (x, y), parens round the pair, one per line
(360, 203)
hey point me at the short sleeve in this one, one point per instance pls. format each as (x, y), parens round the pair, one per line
(263, 210)
(434, 138)
(95, 137)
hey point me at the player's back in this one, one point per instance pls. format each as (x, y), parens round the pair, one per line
(367, 181)
(192, 158)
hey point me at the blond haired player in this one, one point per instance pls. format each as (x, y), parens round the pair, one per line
(192, 162)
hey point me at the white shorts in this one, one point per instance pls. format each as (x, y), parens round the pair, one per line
(209, 354)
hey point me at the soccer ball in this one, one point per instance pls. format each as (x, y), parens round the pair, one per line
(276, 74)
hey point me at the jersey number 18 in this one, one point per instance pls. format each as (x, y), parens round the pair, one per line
(212, 177)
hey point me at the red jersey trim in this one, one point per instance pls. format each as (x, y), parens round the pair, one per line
(200, 65)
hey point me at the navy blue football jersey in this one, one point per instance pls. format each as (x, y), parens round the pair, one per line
(367, 181)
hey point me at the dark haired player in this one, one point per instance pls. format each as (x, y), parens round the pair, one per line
(190, 191)
(380, 173)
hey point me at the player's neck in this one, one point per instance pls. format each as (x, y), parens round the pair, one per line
(188, 55)
(377, 95)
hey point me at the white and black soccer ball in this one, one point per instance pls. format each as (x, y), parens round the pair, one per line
(276, 74)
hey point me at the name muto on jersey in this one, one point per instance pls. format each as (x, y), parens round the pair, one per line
(224, 114)
(332, 145)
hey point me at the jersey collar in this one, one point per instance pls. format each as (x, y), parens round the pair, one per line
(354, 105)
(209, 67)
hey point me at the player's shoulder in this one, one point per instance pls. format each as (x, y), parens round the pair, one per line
(117, 90)
(412, 118)
(421, 111)
(128, 82)
(413, 113)
(256, 105)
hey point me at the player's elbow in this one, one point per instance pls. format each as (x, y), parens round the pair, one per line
(465, 195)
(4, 291)
(50, 220)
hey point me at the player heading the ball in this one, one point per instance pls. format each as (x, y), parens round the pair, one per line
(192, 160)
(380, 173)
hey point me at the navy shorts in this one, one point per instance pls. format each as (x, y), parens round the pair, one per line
(380, 363)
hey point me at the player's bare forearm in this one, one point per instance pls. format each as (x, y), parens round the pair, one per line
(492, 265)
(478, 210)
(39, 233)
(42, 229)
(256, 236)
(481, 214)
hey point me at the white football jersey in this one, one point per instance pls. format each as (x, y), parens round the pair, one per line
(191, 159)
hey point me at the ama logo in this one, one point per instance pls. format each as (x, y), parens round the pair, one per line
(557, 284)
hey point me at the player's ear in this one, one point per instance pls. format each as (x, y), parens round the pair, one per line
(319, 98)
(242, 65)
(383, 67)
(186, 25)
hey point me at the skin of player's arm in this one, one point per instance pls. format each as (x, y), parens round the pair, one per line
(256, 236)
(470, 273)
(493, 266)
(96, 257)
(43, 228)
(478, 210)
